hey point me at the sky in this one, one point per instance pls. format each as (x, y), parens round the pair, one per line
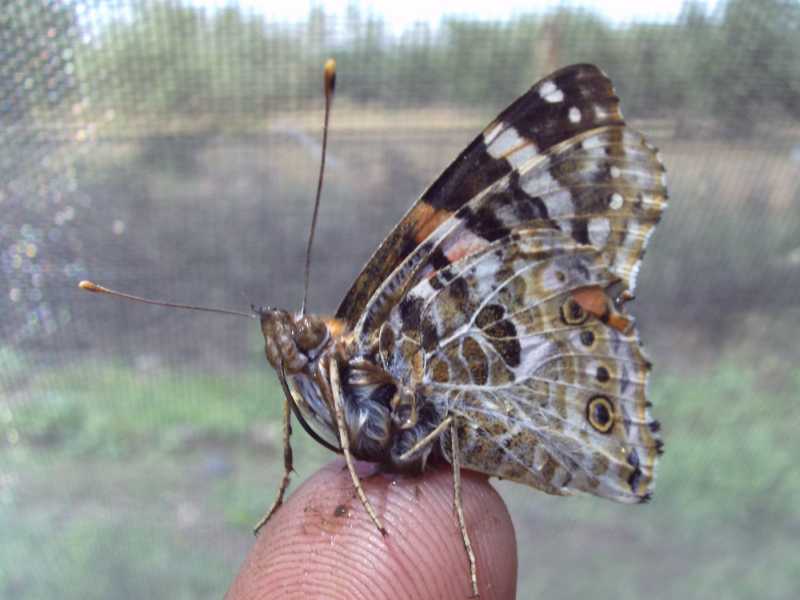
(399, 15)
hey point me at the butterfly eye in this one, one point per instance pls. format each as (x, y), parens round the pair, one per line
(572, 313)
(309, 333)
(600, 413)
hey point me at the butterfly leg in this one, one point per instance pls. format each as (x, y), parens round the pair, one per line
(459, 508)
(428, 439)
(287, 455)
(344, 441)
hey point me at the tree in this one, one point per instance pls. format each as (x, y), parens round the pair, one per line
(757, 64)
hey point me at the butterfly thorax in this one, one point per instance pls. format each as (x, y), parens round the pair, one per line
(383, 416)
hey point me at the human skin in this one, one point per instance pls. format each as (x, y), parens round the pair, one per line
(321, 543)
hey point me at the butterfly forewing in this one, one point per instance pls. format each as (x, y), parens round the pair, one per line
(604, 186)
(535, 122)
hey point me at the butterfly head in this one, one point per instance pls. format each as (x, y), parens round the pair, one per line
(291, 340)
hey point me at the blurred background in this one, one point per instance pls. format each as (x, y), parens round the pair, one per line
(170, 149)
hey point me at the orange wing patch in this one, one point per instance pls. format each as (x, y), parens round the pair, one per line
(336, 327)
(424, 219)
(595, 301)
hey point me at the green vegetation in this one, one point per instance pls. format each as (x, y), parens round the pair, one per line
(112, 410)
(736, 65)
(125, 485)
(100, 558)
(201, 455)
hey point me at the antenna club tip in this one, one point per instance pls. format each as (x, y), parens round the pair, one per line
(330, 76)
(89, 286)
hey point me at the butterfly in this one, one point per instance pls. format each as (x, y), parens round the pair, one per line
(489, 329)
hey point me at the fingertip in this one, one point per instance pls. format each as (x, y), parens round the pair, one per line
(321, 543)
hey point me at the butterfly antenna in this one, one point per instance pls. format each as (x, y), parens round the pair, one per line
(99, 289)
(330, 83)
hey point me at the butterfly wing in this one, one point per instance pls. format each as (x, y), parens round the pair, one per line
(478, 307)
(605, 188)
(537, 121)
(543, 392)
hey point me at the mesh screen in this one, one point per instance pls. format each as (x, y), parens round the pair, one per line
(170, 149)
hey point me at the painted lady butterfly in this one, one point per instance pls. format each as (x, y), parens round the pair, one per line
(489, 328)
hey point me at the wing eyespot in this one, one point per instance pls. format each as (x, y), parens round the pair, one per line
(573, 313)
(600, 413)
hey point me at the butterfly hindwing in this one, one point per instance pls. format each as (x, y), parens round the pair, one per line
(543, 395)
(537, 121)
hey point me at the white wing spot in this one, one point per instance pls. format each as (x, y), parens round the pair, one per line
(549, 92)
(574, 115)
(599, 230)
(498, 145)
(536, 183)
(424, 289)
(559, 204)
(503, 145)
(519, 157)
(626, 259)
(488, 138)
(548, 87)
(600, 112)
(594, 142)
(535, 355)
(615, 172)
(648, 200)
(616, 201)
